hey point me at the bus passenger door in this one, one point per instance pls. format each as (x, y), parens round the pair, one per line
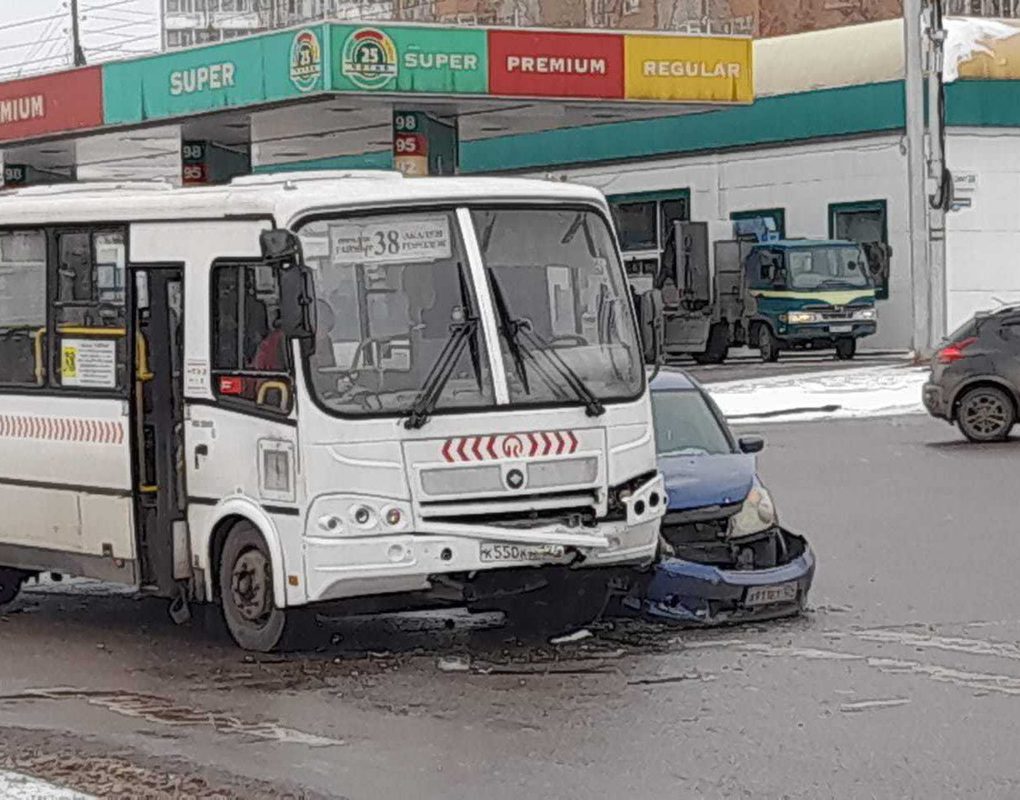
(158, 419)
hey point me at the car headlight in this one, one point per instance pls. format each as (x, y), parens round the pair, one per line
(757, 514)
(865, 314)
(803, 317)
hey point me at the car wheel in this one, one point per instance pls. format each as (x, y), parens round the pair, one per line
(246, 591)
(10, 584)
(846, 349)
(985, 414)
(768, 344)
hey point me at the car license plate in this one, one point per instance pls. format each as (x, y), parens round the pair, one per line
(841, 328)
(494, 552)
(766, 595)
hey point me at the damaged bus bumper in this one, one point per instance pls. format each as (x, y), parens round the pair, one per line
(690, 593)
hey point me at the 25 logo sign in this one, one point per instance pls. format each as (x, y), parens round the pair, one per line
(306, 61)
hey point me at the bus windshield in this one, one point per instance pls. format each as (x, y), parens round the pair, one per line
(555, 277)
(397, 299)
(827, 268)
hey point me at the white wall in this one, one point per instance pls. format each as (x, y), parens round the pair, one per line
(983, 241)
(803, 180)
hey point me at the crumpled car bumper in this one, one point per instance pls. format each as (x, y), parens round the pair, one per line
(695, 594)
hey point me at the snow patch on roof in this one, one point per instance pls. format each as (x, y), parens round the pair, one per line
(970, 37)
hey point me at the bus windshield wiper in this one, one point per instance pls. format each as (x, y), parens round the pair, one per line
(432, 389)
(523, 342)
(461, 333)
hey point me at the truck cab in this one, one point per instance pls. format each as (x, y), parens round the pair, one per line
(808, 294)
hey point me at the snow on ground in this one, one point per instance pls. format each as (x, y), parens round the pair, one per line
(886, 390)
(14, 786)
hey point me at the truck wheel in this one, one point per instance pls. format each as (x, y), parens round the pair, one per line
(246, 591)
(768, 344)
(10, 584)
(846, 349)
(985, 414)
(718, 345)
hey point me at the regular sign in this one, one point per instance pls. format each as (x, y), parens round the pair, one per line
(697, 68)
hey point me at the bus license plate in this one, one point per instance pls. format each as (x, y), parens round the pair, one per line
(841, 328)
(766, 595)
(495, 553)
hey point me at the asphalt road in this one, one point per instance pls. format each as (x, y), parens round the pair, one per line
(903, 681)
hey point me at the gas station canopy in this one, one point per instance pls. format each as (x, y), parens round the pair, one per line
(418, 88)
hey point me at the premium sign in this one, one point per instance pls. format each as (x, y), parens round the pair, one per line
(540, 64)
(51, 104)
(697, 68)
(410, 59)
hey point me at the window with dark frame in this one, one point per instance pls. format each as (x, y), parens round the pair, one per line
(250, 357)
(866, 223)
(22, 308)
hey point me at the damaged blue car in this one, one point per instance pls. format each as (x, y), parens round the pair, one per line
(725, 557)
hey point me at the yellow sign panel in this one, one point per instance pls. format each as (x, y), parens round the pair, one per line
(698, 68)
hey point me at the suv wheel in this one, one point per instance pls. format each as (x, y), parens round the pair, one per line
(985, 414)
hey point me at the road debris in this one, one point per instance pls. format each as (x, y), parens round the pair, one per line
(570, 638)
(868, 705)
(453, 664)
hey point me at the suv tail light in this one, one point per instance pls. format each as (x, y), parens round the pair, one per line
(954, 351)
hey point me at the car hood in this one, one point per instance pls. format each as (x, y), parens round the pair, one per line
(697, 481)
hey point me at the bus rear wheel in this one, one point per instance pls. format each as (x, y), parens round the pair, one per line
(246, 591)
(10, 584)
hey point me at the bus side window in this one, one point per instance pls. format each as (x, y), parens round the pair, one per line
(91, 351)
(22, 308)
(250, 353)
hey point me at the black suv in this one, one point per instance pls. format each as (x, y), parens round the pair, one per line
(975, 377)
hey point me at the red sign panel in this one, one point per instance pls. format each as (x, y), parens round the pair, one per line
(532, 64)
(510, 446)
(55, 103)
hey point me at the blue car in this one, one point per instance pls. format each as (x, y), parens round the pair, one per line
(725, 557)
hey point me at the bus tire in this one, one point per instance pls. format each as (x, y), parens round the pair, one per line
(10, 584)
(768, 344)
(246, 591)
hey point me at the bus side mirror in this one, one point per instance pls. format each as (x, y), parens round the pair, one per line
(652, 326)
(297, 303)
(280, 246)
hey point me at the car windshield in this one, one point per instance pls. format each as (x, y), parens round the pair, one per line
(686, 425)
(827, 268)
(563, 302)
(393, 291)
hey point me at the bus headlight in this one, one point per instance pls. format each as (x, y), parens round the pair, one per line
(757, 514)
(865, 314)
(802, 317)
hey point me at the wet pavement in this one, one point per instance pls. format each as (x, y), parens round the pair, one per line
(904, 680)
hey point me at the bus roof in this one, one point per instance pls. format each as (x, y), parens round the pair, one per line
(283, 196)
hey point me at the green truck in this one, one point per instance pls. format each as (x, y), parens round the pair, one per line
(791, 294)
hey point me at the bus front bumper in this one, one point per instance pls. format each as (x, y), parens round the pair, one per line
(343, 568)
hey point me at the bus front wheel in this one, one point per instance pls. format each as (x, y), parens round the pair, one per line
(246, 591)
(10, 584)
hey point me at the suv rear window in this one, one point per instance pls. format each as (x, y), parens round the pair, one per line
(965, 331)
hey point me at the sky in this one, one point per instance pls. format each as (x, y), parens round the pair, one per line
(35, 34)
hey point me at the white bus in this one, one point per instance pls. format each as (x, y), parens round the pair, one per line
(293, 390)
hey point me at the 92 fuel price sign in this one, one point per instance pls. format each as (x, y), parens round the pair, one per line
(410, 143)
